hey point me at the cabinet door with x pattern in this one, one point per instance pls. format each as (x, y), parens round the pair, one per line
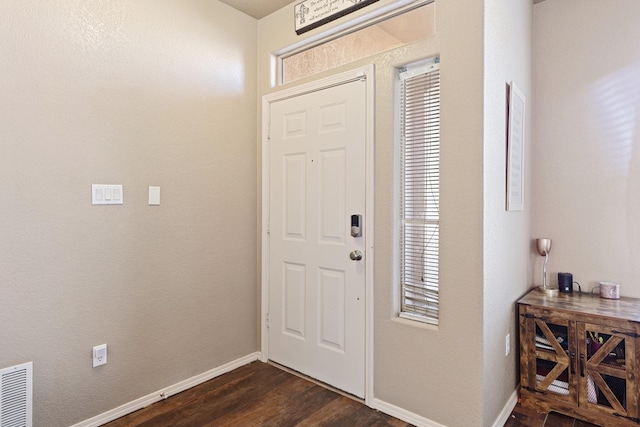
(606, 373)
(549, 367)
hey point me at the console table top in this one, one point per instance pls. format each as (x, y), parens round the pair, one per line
(624, 308)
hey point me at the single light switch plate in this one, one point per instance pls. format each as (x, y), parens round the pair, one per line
(154, 196)
(107, 194)
(99, 355)
(507, 344)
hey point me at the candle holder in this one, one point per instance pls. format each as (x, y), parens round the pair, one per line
(544, 247)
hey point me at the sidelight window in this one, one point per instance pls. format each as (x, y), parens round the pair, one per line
(419, 136)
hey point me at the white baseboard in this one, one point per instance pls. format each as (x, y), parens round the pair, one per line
(159, 395)
(420, 421)
(508, 408)
(404, 415)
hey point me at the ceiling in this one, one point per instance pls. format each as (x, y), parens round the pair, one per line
(261, 8)
(257, 8)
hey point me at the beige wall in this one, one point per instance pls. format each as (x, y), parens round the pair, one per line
(434, 373)
(507, 248)
(587, 155)
(135, 93)
(164, 94)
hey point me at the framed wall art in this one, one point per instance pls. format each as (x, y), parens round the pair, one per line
(311, 14)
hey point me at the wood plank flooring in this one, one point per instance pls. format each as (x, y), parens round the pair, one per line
(261, 394)
(257, 394)
(525, 417)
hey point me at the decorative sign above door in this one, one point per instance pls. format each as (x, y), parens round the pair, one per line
(311, 14)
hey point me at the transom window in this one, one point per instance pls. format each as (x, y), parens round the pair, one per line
(407, 27)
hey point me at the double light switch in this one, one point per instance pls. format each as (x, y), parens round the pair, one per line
(102, 194)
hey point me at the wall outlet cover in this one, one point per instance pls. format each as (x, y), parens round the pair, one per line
(507, 344)
(99, 355)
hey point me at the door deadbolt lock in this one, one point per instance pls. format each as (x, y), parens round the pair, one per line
(355, 255)
(356, 225)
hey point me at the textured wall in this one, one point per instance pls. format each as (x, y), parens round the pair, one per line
(134, 93)
(507, 247)
(587, 156)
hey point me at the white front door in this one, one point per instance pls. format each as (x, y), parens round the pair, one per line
(316, 183)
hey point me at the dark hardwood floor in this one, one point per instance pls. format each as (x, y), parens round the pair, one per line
(261, 394)
(257, 394)
(525, 417)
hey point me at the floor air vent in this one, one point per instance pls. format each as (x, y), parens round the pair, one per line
(16, 394)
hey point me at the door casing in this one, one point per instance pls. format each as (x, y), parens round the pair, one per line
(366, 73)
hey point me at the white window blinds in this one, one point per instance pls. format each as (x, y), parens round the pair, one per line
(420, 192)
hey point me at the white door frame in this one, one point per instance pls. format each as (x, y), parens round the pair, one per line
(367, 73)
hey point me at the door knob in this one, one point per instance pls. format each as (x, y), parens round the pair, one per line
(355, 255)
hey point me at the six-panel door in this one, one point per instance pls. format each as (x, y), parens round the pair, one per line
(317, 181)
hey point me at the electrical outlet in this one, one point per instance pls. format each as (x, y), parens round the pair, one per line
(99, 355)
(507, 344)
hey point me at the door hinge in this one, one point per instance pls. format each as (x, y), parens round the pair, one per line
(267, 320)
(528, 316)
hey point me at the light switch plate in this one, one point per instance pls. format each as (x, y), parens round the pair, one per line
(507, 344)
(154, 196)
(107, 194)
